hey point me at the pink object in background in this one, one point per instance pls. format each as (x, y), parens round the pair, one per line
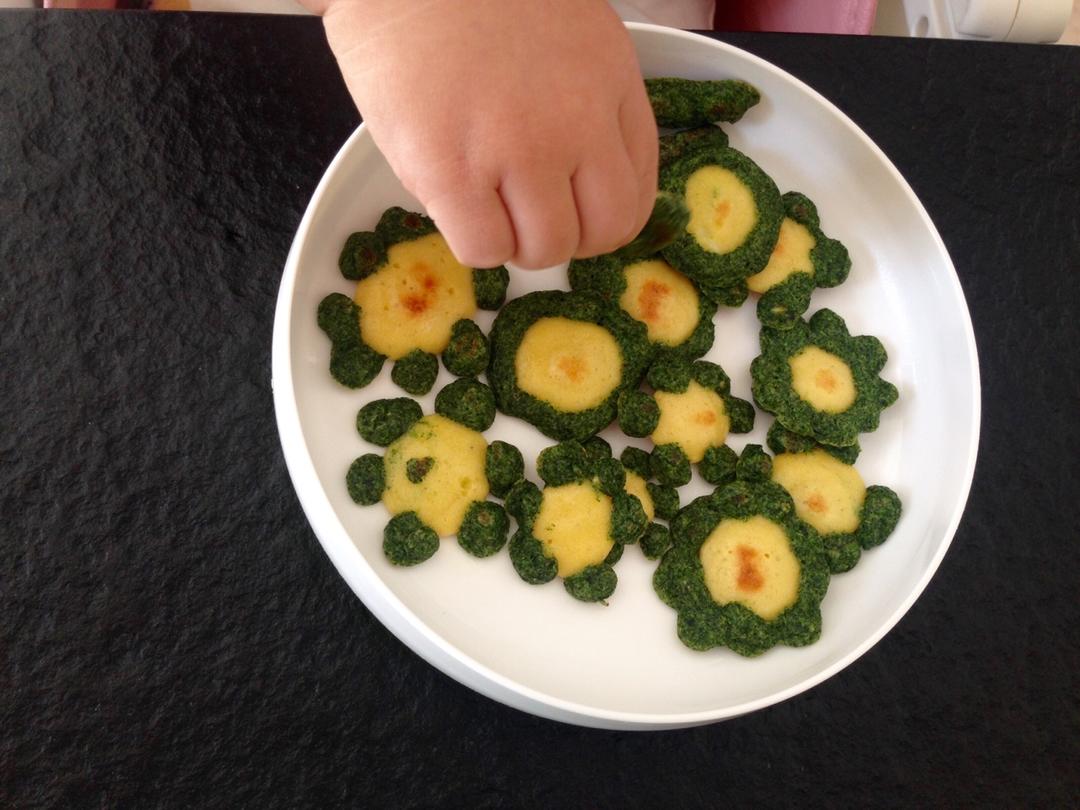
(805, 16)
(121, 4)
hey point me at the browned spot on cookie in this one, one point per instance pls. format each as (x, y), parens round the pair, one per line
(651, 298)
(825, 380)
(572, 367)
(750, 578)
(705, 418)
(721, 212)
(416, 302)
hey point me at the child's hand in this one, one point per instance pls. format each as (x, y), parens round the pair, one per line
(522, 126)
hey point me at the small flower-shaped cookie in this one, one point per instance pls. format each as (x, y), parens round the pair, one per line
(410, 294)
(743, 571)
(576, 527)
(688, 416)
(434, 478)
(735, 213)
(675, 313)
(820, 381)
(830, 495)
(559, 360)
(802, 259)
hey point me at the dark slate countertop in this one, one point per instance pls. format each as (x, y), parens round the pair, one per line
(171, 633)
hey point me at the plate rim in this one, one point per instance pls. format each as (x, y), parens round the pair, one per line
(397, 617)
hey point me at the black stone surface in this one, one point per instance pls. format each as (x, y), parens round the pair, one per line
(171, 633)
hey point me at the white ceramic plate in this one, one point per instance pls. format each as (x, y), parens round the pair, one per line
(621, 666)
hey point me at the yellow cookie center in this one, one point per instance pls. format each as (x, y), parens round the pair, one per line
(574, 526)
(695, 420)
(571, 365)
(722, 209)
(751, 562)
(455, 479)
(828, 493)
(413, 300)
(663, 299)
(822, 380)
(791, 255)
(635, 485)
